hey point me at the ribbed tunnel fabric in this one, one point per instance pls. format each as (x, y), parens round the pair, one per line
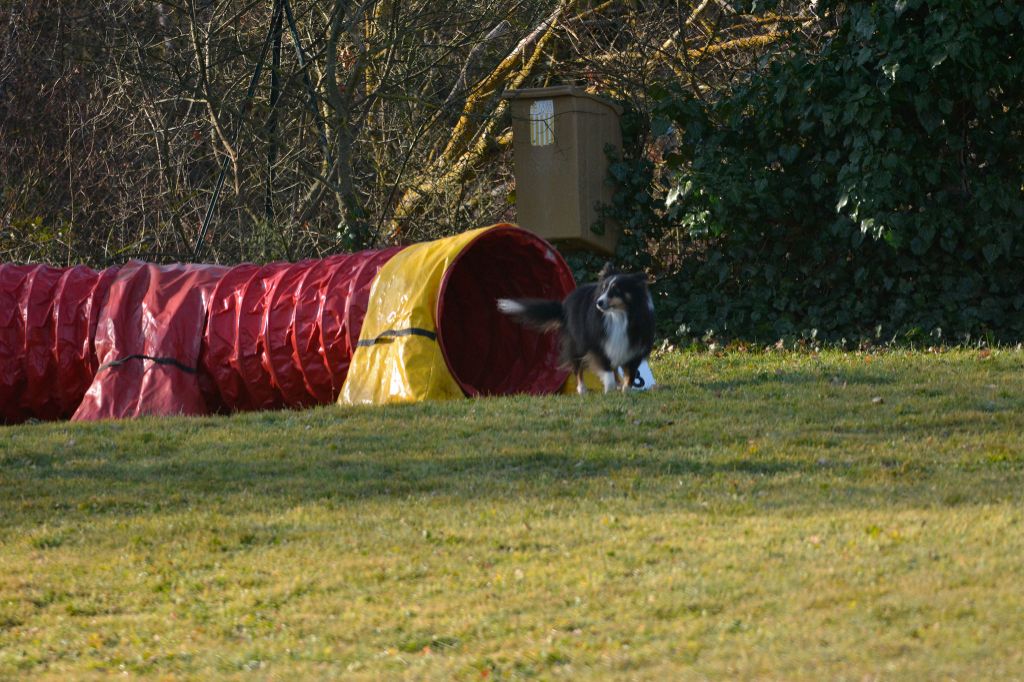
(195, 339)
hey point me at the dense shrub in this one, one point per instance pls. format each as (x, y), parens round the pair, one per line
(869, 189)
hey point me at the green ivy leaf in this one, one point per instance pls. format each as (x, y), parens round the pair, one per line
(844, 199)
(660, 126)
(927, 113)
(938, 57)
(891, 70)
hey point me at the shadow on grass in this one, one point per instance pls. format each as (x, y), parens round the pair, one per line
(802, 378)
(365, 475)
(662, 447)
(147, 484)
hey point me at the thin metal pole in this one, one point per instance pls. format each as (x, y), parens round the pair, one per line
(200, 243)
(275, 95)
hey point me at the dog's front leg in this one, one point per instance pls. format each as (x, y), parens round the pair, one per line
(629, 373)
(608, 380)
(628, 377)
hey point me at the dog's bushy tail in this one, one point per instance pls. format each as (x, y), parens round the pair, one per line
(534, 312)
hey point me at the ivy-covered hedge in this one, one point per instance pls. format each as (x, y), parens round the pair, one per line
(871, 189)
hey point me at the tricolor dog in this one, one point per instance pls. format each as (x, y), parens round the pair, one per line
(607, 326)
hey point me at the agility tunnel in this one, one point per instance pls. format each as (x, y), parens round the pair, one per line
(393, 325)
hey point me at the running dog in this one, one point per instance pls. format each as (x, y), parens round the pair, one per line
(606, 326)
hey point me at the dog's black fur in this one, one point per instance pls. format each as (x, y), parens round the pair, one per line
(605, 326)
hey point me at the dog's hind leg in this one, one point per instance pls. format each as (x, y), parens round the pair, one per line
(603, 369)
(577, 365)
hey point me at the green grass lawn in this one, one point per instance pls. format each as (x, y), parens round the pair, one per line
(770, 516)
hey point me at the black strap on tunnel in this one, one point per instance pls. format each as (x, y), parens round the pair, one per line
(384, 337)
(160, 361)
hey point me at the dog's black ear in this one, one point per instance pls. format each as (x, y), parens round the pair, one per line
(607, 271)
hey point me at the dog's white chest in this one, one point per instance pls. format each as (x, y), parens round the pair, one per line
(616, 341)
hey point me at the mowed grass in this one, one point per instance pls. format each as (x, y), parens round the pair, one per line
(759, 516)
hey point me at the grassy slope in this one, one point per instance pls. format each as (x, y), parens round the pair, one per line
(774, 516)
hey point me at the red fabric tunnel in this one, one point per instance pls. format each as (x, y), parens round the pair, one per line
(195, 339)
(486, 351)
